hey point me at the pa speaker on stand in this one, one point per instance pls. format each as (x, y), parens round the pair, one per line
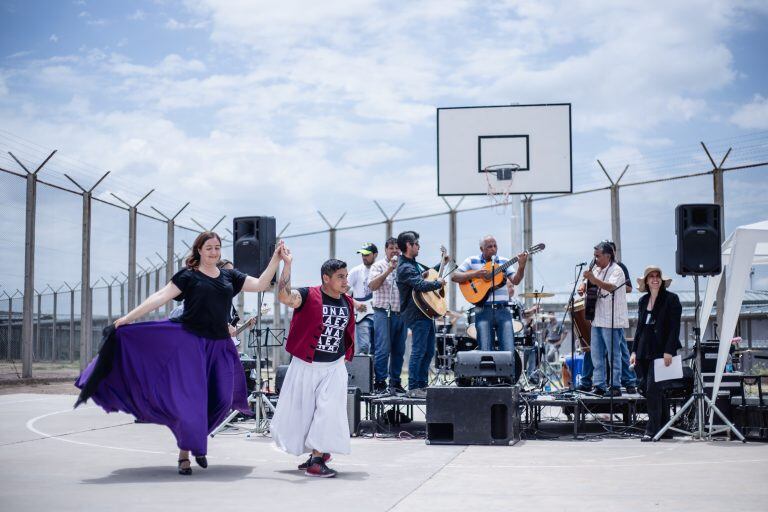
(254, 243)
(698, 228)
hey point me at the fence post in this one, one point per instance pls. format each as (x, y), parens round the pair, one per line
(719, 198)
(170, 239)
(615, 208)
(527, 242)
(86, 299)
(132, 212)
(10, 326)
(331, 233)
(54, 345)
(452, 247)
(29, 267)
(389, 220)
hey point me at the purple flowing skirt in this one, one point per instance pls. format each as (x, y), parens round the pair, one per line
(164, 374)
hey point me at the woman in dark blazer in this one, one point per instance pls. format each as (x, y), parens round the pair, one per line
(657, 336)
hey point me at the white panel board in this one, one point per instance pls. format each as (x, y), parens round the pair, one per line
(534, 139)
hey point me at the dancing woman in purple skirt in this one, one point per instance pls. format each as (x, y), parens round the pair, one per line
(184, 375)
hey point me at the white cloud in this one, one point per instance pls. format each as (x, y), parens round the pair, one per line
(752, 115)
(174, 24)
(137, 15)
(54, 38)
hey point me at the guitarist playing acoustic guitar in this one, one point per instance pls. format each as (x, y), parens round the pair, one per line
(492, 312)
(410, 278)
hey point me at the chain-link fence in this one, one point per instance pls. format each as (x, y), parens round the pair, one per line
(59, 197)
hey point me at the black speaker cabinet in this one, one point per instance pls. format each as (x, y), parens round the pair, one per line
(698, 228)
(353, 410)
(360, 371)
(254, 243)
(280, 377)
(485, 416)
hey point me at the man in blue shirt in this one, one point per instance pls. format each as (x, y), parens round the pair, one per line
(492, 315)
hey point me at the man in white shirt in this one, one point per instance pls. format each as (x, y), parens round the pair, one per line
(611, 318)
(359, 278)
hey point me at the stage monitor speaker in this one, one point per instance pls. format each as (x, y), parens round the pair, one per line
(479, 363)
(353, 410)
(280, 377)
(698, 228)
(254, 243)
(360, 371)
(485, 416)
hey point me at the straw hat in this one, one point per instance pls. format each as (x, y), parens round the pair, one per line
(652, 268)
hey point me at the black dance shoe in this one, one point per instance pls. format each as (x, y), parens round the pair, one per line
(184, 471)
(202, 461)
(646, 438)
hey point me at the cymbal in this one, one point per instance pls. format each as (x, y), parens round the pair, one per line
(544, 316)
(536, 295)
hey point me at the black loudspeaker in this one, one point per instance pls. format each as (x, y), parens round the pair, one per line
(698, 228)
(280, 377)
(485, 416)
(360, 371)
(353, 410)
(254, 243)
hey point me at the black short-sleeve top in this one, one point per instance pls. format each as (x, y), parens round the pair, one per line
(208, 300)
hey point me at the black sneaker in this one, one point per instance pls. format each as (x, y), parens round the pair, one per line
(319, 469)
(614, 392)
(584, 388)
(631, 390)
(397, 390)
(305, 466)
(380, 388)
(599, 391)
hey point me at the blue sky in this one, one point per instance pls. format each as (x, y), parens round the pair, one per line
(283, 108)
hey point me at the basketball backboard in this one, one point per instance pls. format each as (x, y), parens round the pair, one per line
(532, 143)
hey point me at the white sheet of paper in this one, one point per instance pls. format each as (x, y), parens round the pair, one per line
(673, 371)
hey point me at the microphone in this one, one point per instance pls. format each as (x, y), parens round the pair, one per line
(582, 264)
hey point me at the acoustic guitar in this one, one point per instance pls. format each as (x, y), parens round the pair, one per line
(591, 293)
(477, 289)
(433, 303)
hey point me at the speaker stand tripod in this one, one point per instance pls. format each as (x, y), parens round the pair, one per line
(699, 400)
(260, 404)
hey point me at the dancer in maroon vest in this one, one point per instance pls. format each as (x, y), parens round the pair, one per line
(311, 414)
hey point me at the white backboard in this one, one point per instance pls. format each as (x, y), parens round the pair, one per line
(535, 138)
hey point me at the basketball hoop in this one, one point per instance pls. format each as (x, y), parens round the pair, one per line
(500, 188)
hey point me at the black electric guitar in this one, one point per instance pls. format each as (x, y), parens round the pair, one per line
(591, 293)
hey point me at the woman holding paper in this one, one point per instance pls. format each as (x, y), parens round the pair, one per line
(657, 337)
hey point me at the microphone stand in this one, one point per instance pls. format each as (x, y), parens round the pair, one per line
(573, 327)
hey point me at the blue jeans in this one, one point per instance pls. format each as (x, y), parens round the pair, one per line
(422, 352)
(606, 341)
(390, 334)
(489, 321)
(364, 336)
(628, 376)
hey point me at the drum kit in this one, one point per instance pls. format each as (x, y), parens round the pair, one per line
(529, 341)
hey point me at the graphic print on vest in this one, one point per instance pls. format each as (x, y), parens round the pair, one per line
(335, 320)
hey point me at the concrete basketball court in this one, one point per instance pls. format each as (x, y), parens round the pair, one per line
(55, 458)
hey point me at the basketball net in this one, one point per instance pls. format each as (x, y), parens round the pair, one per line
(499, 187)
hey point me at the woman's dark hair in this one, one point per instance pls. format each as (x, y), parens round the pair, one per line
(331, 266)
(193, 260)
(661, 278)
(223, 263)
(406, 237)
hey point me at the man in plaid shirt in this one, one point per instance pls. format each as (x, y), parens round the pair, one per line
(388, 328)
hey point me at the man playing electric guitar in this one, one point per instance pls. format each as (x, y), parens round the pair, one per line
(492, 315)
(361, 292)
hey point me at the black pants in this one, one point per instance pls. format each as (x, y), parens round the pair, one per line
(657, 406)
